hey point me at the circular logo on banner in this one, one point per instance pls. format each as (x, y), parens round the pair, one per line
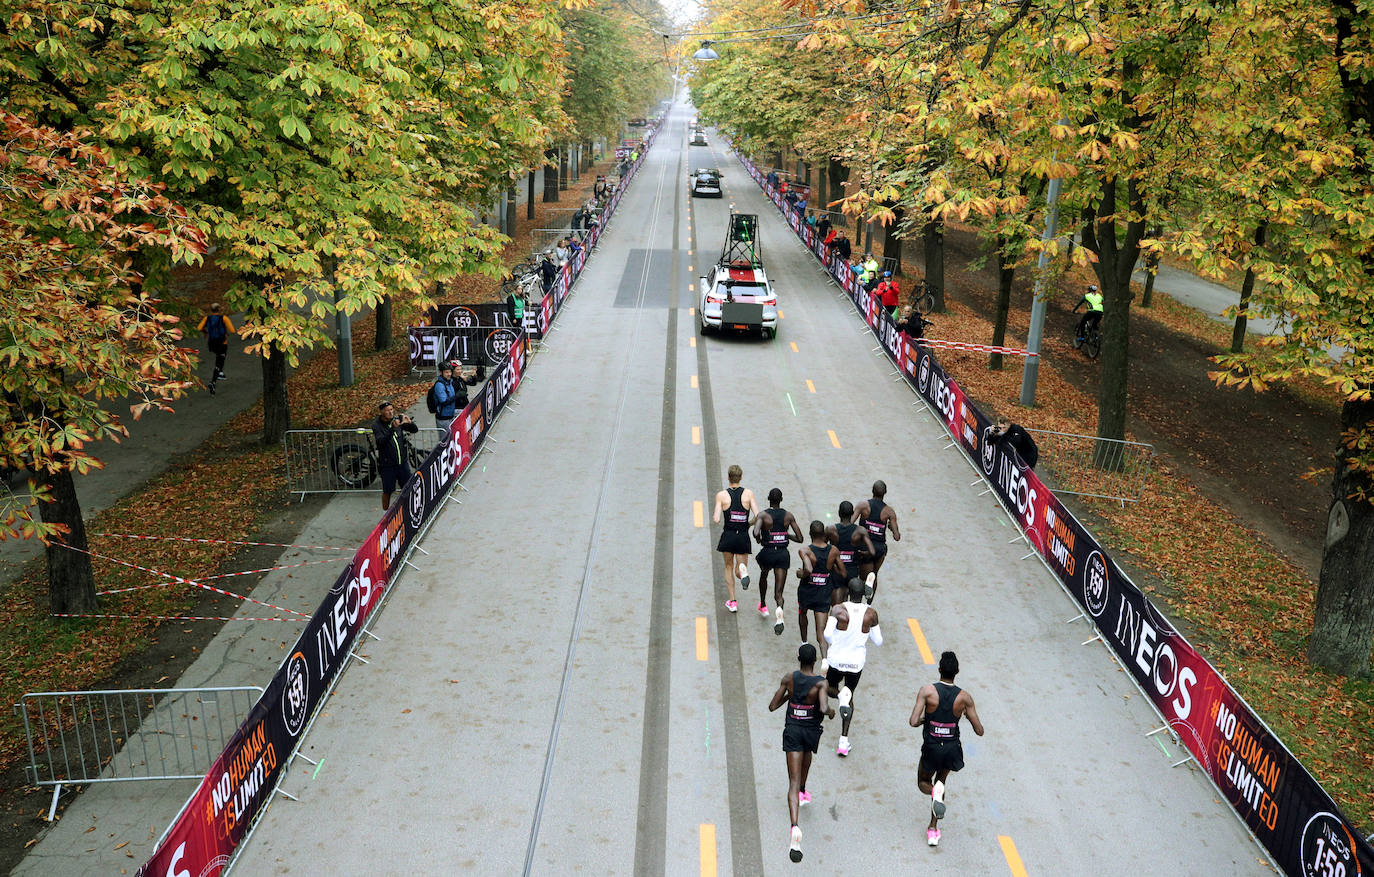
(491, 398)
(498, 343)
(463, 317)
(923, 373)
(1327, 847)
(989, 451)
(415, 507)
(1095, 583)
(295, 699)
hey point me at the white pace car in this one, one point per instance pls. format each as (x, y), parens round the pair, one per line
(738, 298)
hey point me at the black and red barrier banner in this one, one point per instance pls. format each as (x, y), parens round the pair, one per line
(1288, 811)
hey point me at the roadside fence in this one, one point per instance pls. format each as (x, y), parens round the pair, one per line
(1085, 465)
(343, 460)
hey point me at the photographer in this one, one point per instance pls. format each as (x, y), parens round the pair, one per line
(912, 323)
(1008, 433)
(388, 432)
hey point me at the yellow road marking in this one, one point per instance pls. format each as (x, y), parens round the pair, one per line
(692, 342)
(920, 640)
(1013, 858)
(781, 315)
(699, 516)
(810, 386)
(703, 648)
(833, 440)
(794, 347)
(708, 850)
(691, 312)
(696, 435)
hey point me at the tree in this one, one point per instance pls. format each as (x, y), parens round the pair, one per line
(77, 332)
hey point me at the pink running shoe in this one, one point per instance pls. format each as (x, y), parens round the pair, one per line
(933, 836)
(763, 610)
(803, 798)
(732, 605)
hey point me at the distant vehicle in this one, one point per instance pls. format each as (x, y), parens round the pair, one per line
(699, 137)
(706, 182)
(736, 294)
(638, 122)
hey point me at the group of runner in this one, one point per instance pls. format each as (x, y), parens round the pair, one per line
(836, 582)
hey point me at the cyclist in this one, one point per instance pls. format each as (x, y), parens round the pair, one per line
(388, 433)
(1091, 320)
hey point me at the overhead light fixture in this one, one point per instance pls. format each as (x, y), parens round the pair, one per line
(706, 53)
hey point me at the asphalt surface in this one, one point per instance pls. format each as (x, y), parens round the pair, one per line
(541, 700)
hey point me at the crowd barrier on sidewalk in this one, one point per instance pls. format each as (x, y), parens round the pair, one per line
(342, 460)
(1286, 810)
(215, 820)
(1085, 465)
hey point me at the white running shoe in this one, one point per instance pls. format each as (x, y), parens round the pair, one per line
(843, 749)
(937, 802)
(777, 621)
(744, 576)
(795, 853)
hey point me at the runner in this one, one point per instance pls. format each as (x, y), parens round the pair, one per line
(850, 627)
(771, 530)
(940, 707)
(804, 693)
(740, 508)
(854, 545)
(819, 561)
(877, 517)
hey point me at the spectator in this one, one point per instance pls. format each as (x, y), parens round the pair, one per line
(217, 328)
(388, 433)
(548, 272)
(1007, 433)
(593, 223)
(574, 247)
(889, 294)
(448, 396)
(772, 179)
(599, 188)
(578, 217)
(560, 253)
(841, 246)
(515, 305)
(912, 323)
(823, 228)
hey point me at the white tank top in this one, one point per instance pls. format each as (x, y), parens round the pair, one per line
(849, 647)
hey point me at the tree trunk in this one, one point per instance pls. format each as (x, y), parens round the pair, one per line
(1343, 622)
(562, 168)
(1247, 287)
(71, 581)
(822, 186)
(382, 339)
(1151, 266)
(276, 408)
(1115, 261)
(838, 174)
(933, 239)
(551, 176)
(510, 212)
(529, 198)
(1005, 274)
(892, 244)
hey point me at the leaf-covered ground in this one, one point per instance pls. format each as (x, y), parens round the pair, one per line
(230, 486)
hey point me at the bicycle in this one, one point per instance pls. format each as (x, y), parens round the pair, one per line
(356, 466)
(1090, 342)
(923, 300)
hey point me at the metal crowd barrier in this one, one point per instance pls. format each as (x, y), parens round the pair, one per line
(342, 460)
(113, 736)
(1085, 465)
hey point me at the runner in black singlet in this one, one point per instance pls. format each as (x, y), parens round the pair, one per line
(939, 707)
(820, 561)
(773, 529)
(877, 518)
(854, 545)
(804, 693)
(738, 506)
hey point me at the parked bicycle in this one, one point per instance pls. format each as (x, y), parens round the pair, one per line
(922, 298)
(355, 465)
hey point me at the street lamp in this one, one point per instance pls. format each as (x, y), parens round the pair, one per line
(706, 53)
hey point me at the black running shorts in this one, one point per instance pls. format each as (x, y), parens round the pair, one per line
(879, 550)
(801, 738)
(734, 542)
(937, 756)
(834, 677)
(774, 558)
(815, 599)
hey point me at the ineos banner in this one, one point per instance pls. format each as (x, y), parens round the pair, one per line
(1286, 808)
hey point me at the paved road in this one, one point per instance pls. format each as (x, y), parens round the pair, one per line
(553, 712)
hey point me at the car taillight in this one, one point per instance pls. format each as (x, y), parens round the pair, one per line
(713, 300)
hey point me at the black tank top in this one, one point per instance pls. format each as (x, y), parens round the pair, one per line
(820, 576)
(873, 521)
(942, 726)
(777, 532)
(736, 516)
(845, 543)
(798, 711)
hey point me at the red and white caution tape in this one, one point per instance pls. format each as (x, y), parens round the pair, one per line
(223, 575)
(221, 541)
(171, 617)
(179, 579)
(964, 345)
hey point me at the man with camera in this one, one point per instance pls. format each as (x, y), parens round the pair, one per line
(388, 432)
(1013, 435)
